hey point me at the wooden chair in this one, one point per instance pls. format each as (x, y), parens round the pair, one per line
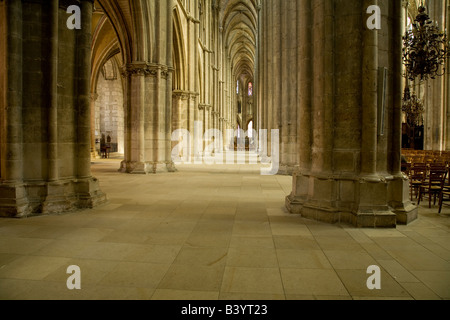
(418, 174)
(445, 192)
(433, 186)
(406, 168)
(444, 196)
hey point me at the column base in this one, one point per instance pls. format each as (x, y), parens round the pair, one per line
(372, 218)
(400, 201)
(360, 201)
(57, 200)
(89, 194)
(134, 167)
(36, 198)
(14, 201)
(286, 170)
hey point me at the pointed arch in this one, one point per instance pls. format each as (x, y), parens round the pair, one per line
(179, 54)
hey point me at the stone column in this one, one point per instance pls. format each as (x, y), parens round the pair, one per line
(300, 186)
(135, 152)
(434, 108)
(94, 154)
(270, 73)
(147, 130)
(13, 195)
(264, 65)
(398, 189)
(285, 88)
(346, 178)
(52, 152)
(56, 200)
(288, 106)
(86, 186)
(84, 92)
(167, 75)
(369, 100)
(13, 165)
(51, 186)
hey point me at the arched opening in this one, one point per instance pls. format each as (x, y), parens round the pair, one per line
(109, 54)
(109, 113)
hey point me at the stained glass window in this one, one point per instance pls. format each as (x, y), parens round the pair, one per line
(250, 89)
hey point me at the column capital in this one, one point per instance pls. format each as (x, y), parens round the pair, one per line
(145, 69)
(182, 95)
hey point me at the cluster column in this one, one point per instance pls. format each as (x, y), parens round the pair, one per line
(348, 168)
(13, 198)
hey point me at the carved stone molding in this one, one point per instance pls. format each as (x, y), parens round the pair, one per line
(182, 95)
(194, 96)
(146, 69)
(204, 106)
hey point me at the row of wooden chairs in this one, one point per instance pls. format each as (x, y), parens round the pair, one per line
(421, 156)
(431, 179)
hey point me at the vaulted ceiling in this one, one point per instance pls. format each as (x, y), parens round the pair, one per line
(239, 22)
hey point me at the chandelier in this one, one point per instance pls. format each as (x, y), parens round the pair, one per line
(413, 107)
(425, 49)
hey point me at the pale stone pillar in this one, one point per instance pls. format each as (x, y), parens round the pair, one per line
(270, 72)
(285, 88)
(94, 154)
(265, 66)
(147, 131)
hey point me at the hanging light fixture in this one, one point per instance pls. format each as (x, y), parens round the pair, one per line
(425, 49)
(413, 107)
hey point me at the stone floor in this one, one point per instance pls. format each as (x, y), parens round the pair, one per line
(214, 233)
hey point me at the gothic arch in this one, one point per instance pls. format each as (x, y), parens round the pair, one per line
(179, 54)
(105, 45)
(121, 24)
